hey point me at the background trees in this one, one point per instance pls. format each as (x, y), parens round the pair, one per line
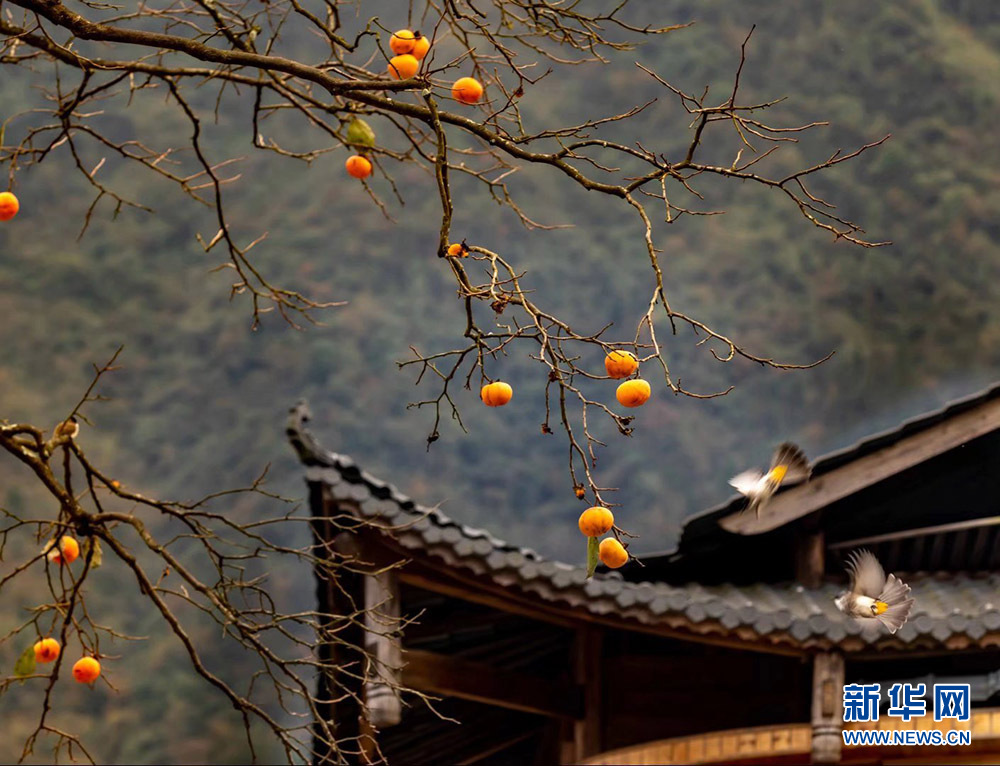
(903, 319)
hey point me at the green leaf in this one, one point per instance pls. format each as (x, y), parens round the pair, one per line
(593, 549)
(97, 558)
(360, 133)
(25, 664)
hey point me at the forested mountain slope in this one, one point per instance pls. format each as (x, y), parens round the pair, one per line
(201, 401)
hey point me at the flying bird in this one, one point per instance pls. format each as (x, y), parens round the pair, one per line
(873, 596)
(789, 465)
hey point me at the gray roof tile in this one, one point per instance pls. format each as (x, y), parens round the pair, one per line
(730, 620)
(463, 546)
(956, 604)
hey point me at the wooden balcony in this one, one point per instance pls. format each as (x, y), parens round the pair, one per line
(792, 743)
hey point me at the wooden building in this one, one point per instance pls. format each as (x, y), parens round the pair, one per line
(726, 650)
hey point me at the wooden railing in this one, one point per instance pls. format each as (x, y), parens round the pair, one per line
(715, 747)
(764, 742)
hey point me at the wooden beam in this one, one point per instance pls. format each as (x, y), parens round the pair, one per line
(451, 582)
(810, 559)
(497, 747)
(786, 743)
(339, 685)
(588, 672)
(458, 585)
(346, 596)
(326, 598)
(937, 529)
(434, 575)
(866, 471)
(453, 676)
(383, 626)
(789, 743)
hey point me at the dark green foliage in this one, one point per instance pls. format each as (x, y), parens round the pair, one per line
(201, 402)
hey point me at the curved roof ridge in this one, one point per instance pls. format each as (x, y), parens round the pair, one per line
(843, 455)
(958, 607)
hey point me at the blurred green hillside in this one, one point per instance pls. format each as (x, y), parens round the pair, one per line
(201, 402)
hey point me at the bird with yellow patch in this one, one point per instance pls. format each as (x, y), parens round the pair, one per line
(872, 595)
(788, 466)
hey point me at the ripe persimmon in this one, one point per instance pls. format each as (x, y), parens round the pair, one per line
(86, 670)
(467, 90)
(612, 553)
(65, 552)
(596, 521)
(633, 393)
(458, 250)
(46, 650)
(9, 206)
(403, 67)
(496, 394)
(420, 47)
(620, 364)
(358, 166)
(402, 41)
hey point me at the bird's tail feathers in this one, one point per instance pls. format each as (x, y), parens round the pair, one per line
(896, 596)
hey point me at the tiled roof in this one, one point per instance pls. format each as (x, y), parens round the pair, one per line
(957, 610)
(705, 523)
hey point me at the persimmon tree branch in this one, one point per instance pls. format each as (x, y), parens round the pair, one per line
(189, 48)
(186, 558)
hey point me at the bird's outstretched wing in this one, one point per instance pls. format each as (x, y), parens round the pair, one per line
(867, 575)
(747, 481)
(793, 464)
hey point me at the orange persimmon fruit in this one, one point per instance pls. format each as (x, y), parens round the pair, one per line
(467, 90)
(402, 41)
(633, 393)
(612, 553)
(403, 67)
(420, 47)
(620, 364)
(496, 394)
(596, 521)
(358, 166)
(458, 250)
(46, 650)
(66, 552)
(86, 670)
(9, 206)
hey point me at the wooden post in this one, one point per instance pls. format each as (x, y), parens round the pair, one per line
(339, 688)
(323, 750)
(384, 645)
(827, 707)
(584, 737)
(338, 693)
(349, 656)
(810, 562)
